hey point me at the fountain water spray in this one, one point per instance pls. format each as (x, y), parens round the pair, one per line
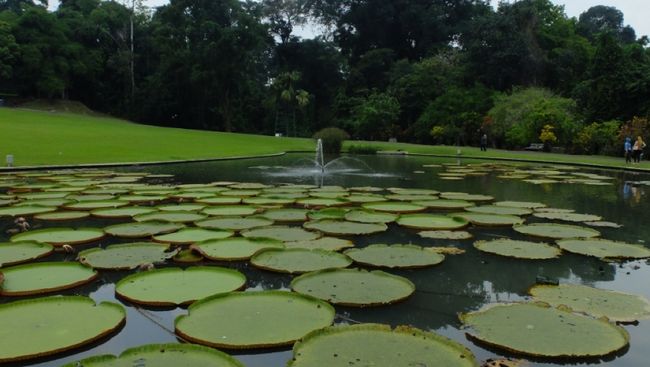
(320, 161)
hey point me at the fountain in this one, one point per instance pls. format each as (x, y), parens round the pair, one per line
(320, 159)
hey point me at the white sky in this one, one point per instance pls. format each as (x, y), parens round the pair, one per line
(637, 12)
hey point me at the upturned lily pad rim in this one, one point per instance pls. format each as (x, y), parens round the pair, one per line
(99, 234)
(99, 336)
(465, 354)
(165, 237)
(556, 250)
(519, 227)
(173, 227)
(325, 226)
(197, 247)
(490, 220)
(351, 252)
(448, 222)
(37, 291)
(215, 269)
(560, 243)
(81, 255)
(399, 207)
(270, 251)
(322, 305)
(60, 216)
(48, 250)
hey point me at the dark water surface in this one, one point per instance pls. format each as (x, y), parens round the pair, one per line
(461, 283)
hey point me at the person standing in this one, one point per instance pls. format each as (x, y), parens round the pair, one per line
(484, 143)
(637, 150)
(628, 149)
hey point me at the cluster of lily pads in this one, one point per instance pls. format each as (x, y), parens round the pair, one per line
(302, 230)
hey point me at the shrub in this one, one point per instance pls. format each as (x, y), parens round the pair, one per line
(362, 149)
(600, 138)
(332, 138)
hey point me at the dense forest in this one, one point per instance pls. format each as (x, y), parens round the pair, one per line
(426, 71)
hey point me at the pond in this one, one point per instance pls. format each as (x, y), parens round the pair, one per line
(461, 283)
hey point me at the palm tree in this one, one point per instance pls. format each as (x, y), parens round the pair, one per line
(284, 86)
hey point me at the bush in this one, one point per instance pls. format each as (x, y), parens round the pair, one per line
(332, 138)
(600, 138)
(362, 149)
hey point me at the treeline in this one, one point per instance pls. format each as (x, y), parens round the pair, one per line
(427, 71)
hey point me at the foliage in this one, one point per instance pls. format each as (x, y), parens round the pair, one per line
(362, 149)
(638, 126)
(332, 138)
(375, 117)
(547, 136)
(600, 138)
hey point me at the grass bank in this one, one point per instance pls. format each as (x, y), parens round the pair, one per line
(56, 138)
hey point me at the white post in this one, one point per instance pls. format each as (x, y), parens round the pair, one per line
(10, 160)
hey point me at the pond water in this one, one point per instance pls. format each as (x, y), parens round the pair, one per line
(461, 283)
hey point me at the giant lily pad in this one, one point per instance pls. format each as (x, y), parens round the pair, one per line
(569, 217)
(15, 211)
(394, 207)
(323, 243)
(230, 210)
(378, 346)
(124, 212)
(142, 229)
(327, 213)
(46, 277)
(367, 216)
(286, 215)
(342, 227)
(62, 216)
(92, 205)
(543, 331)
(253, 319)
(192, 235)
(163, 355)
(500, 210)
(445, 204)
(175, 286)
(294, 261)
(519, 249)
(60, 236)
(395, 256)
(605, 249)
(187, 207)
(14, 253)
(126, 256)
(174, 217)
(318, 202)
(431, 221)
(36, 328)
(220, 200)
(616, 306)
(234, 223)
(446, 235)
(556, 231)
(354, 287)
(490, 220)
(233, 249)
(282, 233)
(520, 204)
(465, 196)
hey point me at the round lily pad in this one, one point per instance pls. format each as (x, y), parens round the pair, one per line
(616, 306)
(187, 207)
(500, 210)
(604, 249)
(126, 256)
(234, 223)
(444, 204)
(367, 216)
(431, 221)
(46, 277)
(220, 200)
(556, 231)
(175, 286)
(13, 253)
(16, 211)
(519, 249)
(446, 235)
(569, 217)
(327, 213)
(395, 256)
(354, 287)
(60, 236)
(490, 220)
(124, 212)
(174, 217)
(62, 216)
(603, 224)
(282, 233)
(394, 207)
(542, 331)
(378, 346)
(286, 215)
(342, 227)
(163, 355)
(142, 229)
(323, 243)
(296, 261)
(192, 235)
(230, 210)
(188, 256)
(40, 322)
(267, 201)
(143, 198)
(91, 205)
(253, 319)
(319, 202)
(465, 196)
(233, 249)
(357, 198)
(520, 204)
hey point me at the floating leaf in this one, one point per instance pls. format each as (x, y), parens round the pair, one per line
(16, 211)
(542, 331)
(253, 319)
(188, 256)
(175, 286)
(604, 249)
(394, 207)
(42, 323)
(490, 220)
(126, 256)
(142, 229)
(504, 363)
(62, 216)
(220, 200)
(192, 235)
(378, 346)
(616, 306)
(519, 249)
(13, 253)
(568, 217)
(318, 202)
(163, 355)
(282, 233)
(520, 204)
(298, 260)
(342, 227)
(501, 210)
(174, 217)
(395, 256)
(187, 207)
(60, 236)
(232, 249)
(234, 223)
(47, 277)
(603, 224)
(286, 215)
(354, 287)
(446, 235)
(92, 205)
(445, 204)
(230, 210)
(465, 196)
(367, 216)
(327, 213)
(323, 243)
(431, 221)
(125, 212)
(556, 231)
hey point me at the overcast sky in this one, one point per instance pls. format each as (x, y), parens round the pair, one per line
(637, 12)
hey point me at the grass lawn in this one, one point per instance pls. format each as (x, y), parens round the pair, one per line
(54, 138)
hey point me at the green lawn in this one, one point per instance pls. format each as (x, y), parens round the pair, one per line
(53, 138)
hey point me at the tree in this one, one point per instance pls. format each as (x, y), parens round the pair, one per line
(8, 51)
(605, 19)
(288, 95)
(376, 116)
(18, 6)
